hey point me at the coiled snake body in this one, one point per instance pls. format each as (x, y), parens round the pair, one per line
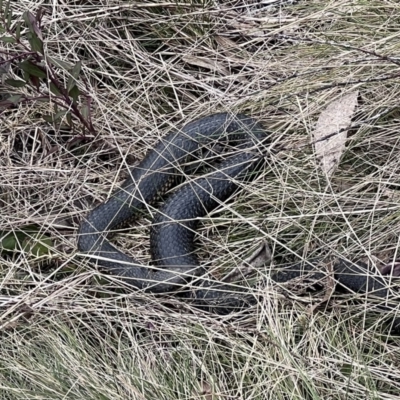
(158, 171)
(174, 226)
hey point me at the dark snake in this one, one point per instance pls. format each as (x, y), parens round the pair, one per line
(173, 229)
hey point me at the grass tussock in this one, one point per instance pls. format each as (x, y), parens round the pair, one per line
(69, 332)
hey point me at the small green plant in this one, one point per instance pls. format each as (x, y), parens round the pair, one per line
(31, 74)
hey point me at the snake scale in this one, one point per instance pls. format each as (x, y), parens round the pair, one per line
(173, 229)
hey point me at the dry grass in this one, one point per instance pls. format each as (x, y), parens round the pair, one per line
(66, 333)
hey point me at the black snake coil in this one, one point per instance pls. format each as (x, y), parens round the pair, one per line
(173, 230)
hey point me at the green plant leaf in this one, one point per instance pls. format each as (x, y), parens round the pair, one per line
(38, 245)
(32, 69)
(48, 118)
(60, 114)
(28, 240)
(35, 82)
(55, 117)
(54, 89)
(71, 83)
(85, 111)
(26, 76)
(76, 69)
(8, 39)
(71, 86)
(74, 93)
(9, 242)
(59, 63)
(33, 23)
(35, 42)
(18, 31)
(15, 83)
(14, 99)
(28, 18)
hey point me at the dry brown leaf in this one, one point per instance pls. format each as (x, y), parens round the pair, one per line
(336, 117)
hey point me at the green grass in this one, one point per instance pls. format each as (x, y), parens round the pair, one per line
(68, 332)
